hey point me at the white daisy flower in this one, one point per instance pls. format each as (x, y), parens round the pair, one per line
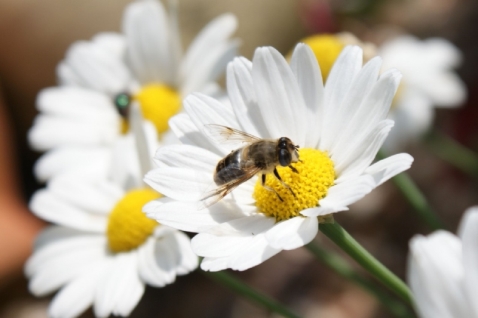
(85, 115)
(339, 128)
(429, 81)
(102, 249)
(443, 271)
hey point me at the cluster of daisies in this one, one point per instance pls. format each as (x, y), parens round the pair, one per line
(128, 156)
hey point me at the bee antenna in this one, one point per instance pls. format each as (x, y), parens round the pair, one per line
(296, 146)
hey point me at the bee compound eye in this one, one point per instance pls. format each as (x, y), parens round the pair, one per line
(284, 157)
(282, 143)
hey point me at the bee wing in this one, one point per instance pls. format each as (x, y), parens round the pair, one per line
(224, 134)
(215, 195)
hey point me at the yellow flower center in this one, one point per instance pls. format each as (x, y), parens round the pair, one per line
(326, 49)
(158, 104)
(128, 226)
(315, 176)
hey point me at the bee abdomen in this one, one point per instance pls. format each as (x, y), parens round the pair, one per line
(227, 175)
(229, 168)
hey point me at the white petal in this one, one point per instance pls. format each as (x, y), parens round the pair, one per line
(45, 205)
(243, 193)
(387, 168)
(124, 168)
(427, 67)
(307, 72)
(89, 193)
(57, 263)
(253, 254)
(358, 157)
(185, 156)
(214, 264)
(53, 234)
(211, 66)
(148, 268)
(76, 103)
(145, 25)
(445, 54)
(120, 289)
(410, 51)
(341, 195)
(243, 98)
(204, 110)
(292, 233)
(106, 292)
(93, 66)
(167, 256)
(187, 132)
(188, 259)
(77, 296)
(339, 81)
(111, 42)
(446, 89)
(86, 161)
(371, 111)
(351, 112)
(413, 115)
(213, 35)
(141, 148)
(209, 245)
(278, 94)
(469, 234)
(60, 240)
(131, 288)
(45, 134)
(435, 275)
(181, 184)
(185, 216)
(252, 224)
(377, 102)
(176, 49)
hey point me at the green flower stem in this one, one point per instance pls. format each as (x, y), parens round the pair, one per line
(416, 198)
(340, 266)
(244, 290)
(452, 152)
(347, 243)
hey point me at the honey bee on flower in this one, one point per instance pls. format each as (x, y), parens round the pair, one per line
(339, 126)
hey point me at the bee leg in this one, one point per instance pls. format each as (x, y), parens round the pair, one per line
(293, 169)
(269, 188)
(276, 173)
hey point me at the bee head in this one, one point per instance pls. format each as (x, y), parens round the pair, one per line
(122, 103)
(287, 152)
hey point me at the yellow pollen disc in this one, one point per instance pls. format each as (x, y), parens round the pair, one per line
(158, 104)
(128, 226)
(316, 175)
(326, 49)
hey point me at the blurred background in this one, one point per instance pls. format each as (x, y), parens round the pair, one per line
(34, 36)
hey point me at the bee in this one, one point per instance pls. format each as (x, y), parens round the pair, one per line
(259, 156)
(122, 103)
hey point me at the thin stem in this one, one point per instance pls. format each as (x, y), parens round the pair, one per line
(347, 243)
(244, 290)
(453, 152)
(341, 267)
(416, 198)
